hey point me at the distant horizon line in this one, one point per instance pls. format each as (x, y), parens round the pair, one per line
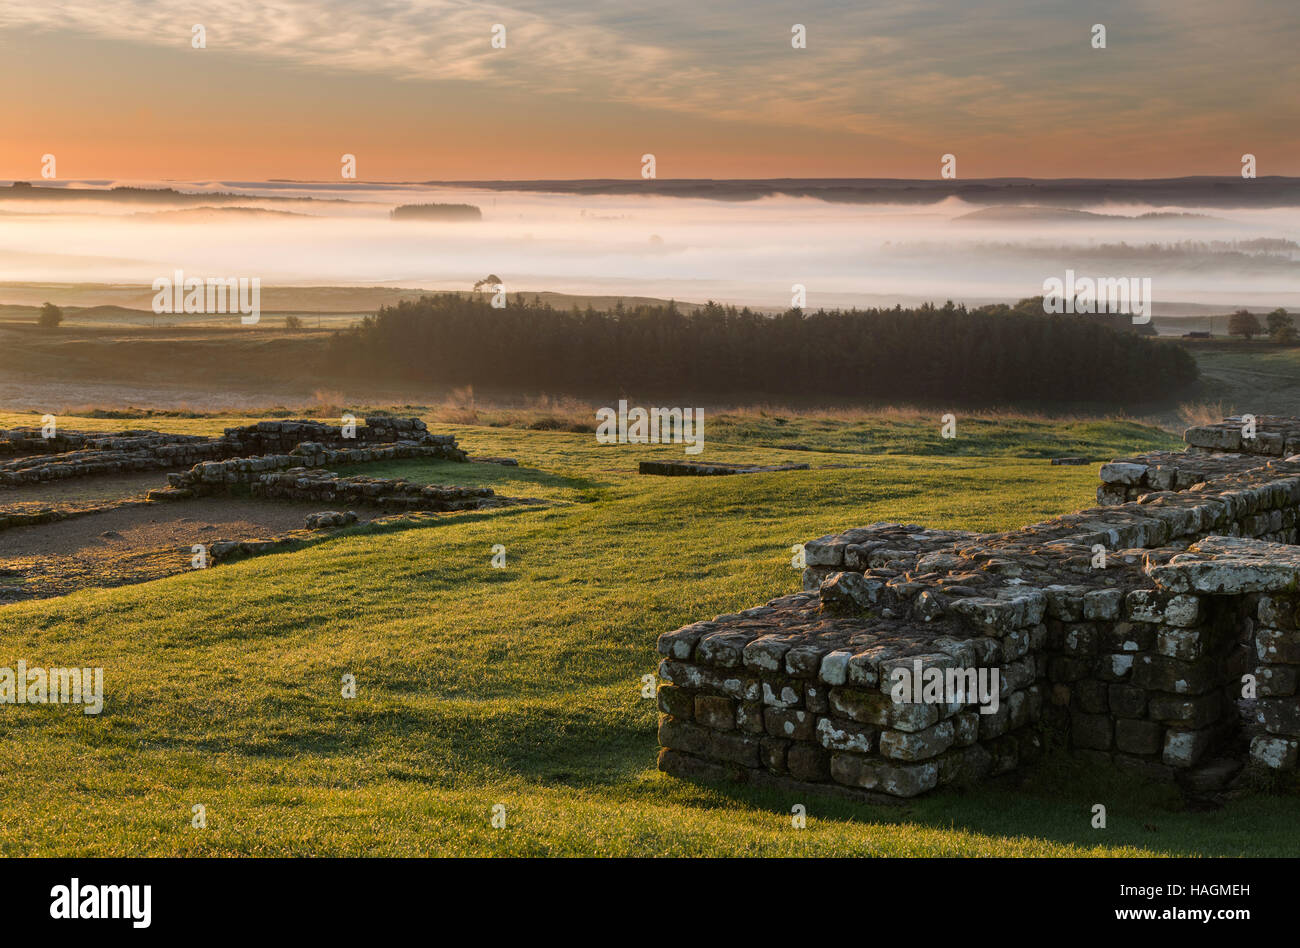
(950, 182)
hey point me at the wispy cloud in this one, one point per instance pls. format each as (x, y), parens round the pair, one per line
(900, 71)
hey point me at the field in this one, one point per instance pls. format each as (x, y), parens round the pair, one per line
(1250, 377)
(522, 686)
(112, 352)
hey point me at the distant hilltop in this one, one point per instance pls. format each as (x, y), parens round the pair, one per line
(436, 212)
(1062, 215)
(1204, 191)
(25, 191)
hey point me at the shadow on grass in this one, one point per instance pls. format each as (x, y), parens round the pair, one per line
(472, 474)
(1053, 801)
(542, 744)
(395, 523)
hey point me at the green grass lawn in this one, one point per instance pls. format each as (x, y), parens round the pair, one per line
(522, 686)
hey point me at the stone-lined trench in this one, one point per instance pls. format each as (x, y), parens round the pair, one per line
(242, 493)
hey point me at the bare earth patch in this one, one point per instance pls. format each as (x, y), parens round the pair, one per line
(130, 544)
(79, 493)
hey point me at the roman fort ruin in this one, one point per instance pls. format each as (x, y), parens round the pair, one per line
(1156, 632)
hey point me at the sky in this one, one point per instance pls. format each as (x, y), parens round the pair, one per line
(115, 89)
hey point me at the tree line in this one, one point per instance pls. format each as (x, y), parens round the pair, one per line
(994, 353)
(1280, 326)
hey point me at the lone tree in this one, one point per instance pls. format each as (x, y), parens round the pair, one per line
(490, 281)
(1244, 323)
(1281, 327)
(50, 316)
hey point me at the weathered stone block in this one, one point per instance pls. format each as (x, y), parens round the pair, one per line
(1092, 696)
(793, 724)
(1125, 701)
(721, 650)
(749, 717)
(1185, 644)
(917, 745)
(1127, 636)
(1277, 612)
(1158, 673)
(1184, 611)
(807, 762)
(964, 765)
(685, 736)
(866, 707)
(783, 694)
(676, 702)
(912, 716)
(1065, 603)
(1185, 748)
(680, 643)
(1080, 639)
(1145, 605)
(1115, 667)
(835, 667)
(1091, 731)
(849, 592)
(1277, 680)
(825, 551)
(733, 747)
(1277, 647)
(772, 753)
(966, 728)
(715, 712)
(1279, 716)
(1192, 712)
(900, 780)
(839, 735)
(1103, 604)
(1276, 753)
(766, 653)
(689, 767)
(803, 661)
(1139, 737)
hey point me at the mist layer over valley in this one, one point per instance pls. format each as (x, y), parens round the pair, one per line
(748, 252)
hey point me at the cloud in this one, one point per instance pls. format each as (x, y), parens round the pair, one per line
(1013, 67)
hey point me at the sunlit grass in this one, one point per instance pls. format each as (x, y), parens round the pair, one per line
(521, 686)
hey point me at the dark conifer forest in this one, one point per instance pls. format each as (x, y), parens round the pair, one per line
(993, 353)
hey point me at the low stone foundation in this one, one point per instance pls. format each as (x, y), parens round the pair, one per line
(330, 519)
(387, 493)
(297, 474)
(28, 441)
(214, 477)
(85, 454)
(76, 454)
(281, 437)
(1155, 634)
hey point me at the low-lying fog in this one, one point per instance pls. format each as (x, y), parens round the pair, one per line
(749, 253)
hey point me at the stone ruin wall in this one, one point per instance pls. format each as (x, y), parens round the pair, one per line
(282, 437)
(298, 474)
(86, 454)
(387, 493)
(1136, 660)
(276, 460)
